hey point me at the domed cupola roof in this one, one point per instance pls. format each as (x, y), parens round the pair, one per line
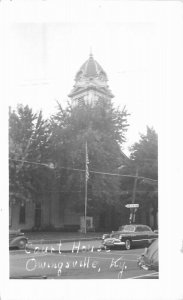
(91, 69)
(90, 82)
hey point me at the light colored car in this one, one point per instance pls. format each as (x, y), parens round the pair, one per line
(149, 260)
(127, 236)
(17, 239)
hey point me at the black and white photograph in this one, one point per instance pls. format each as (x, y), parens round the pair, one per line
(89, 182)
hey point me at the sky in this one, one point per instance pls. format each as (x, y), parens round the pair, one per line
(44, 57)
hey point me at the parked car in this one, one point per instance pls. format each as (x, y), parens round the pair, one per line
(149, 260)
(17, 239)
(128, 236)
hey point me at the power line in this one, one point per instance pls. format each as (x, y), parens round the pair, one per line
(114, 174)
(82, 170)
(45, 165)
(80, 191)
(29, 162)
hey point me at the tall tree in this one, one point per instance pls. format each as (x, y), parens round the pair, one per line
(28, 141)
(104, 128)
(145, 153)
(144, 160)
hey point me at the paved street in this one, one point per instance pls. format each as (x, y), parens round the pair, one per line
(61, 246)
(116, 264)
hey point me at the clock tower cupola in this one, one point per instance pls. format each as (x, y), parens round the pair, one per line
(90, 84)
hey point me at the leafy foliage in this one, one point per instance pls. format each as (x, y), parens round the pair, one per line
(144, 159)
(61, 140)
(145, 154)
(28, 140)
(103, 127)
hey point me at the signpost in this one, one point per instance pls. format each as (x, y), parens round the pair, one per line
(133, 208)
(132, 205)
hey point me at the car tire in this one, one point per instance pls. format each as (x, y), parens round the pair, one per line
(127, 244)
(22, 244)
(107, 248)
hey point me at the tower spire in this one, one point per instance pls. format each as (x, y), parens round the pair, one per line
(91, 54)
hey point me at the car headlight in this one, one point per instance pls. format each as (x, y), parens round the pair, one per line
(104, 236)
(145, 251)
(120, 236)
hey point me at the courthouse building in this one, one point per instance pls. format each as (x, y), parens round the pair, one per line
(91, 84)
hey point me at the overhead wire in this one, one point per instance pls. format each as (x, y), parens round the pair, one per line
(82, 170)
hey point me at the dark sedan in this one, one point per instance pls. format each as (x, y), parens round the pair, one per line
(127, 236)
(17, 239)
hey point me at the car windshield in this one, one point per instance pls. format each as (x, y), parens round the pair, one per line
(126, 228)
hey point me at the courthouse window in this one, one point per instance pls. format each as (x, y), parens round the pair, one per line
(22, 214)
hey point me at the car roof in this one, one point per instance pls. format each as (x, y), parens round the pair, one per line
(141, 225)
(136, 225)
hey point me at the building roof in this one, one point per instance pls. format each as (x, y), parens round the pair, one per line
(91, 76)
(91, 68)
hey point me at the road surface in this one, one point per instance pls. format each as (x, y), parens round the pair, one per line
(116, 264)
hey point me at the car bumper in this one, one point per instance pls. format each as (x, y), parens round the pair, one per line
(113, 242)
(144, 263)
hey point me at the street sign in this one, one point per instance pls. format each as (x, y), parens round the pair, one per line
(133, 205)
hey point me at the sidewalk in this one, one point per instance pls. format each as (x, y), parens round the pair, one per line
(56, 237)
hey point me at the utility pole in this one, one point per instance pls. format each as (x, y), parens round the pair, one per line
(86, 183)
(133, 210)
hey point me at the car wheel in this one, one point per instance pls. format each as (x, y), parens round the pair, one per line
(22, 244)
(127, 244)
(107, 248)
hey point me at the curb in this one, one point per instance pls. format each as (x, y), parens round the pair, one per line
(94, 249)
(63, 240)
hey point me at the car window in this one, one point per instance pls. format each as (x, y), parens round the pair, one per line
(128, 228)
(140, 228)
(146, 228)
(121, 228)
(143, 228)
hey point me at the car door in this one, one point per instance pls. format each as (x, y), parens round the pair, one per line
(150, 235)
(138, 236)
